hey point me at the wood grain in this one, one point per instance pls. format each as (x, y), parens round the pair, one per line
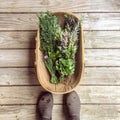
(14, 58)
(100, 89)
(92, 21)
(87, 94)
(92, 76)
(17, 39)
(101, 21)
(102, 39)
(101, 76)
(18, 76)
(77, 6)
(28, 112)
(102, 57)
(93, 57)
(93, 39)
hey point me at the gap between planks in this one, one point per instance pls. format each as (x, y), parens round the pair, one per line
(34, 48)
(70, 11)
(107, 104)
(36, 30)
(40, 85)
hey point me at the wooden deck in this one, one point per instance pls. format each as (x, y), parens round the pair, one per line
(99, 90)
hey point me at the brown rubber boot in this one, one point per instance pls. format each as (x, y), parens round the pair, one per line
(45, 106)
(72, 102)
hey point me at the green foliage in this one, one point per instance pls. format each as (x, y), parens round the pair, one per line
(58, 45)
(50, 67)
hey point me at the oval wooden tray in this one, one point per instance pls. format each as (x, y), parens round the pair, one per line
(70, 83)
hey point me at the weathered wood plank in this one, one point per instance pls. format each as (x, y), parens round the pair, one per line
(102, 57)
(14, 58)
(101, 21)
(43, 5)
(28, 112)
(93, 57)
(91, 112)
(93, 39)
(18, 22)
(18, 76)
(88, 94)
(92, 21)
(19, 39)
(101, 75)
(92, 76)
(102, 39)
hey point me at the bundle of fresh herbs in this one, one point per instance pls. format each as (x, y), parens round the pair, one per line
(58, 44)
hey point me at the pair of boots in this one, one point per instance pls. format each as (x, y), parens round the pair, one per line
(71, 101)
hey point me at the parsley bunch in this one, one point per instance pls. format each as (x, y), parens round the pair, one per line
(58, 45)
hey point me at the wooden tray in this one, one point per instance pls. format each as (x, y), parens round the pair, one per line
(70, 83)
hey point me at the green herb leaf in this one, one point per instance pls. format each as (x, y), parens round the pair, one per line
(58, 45)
